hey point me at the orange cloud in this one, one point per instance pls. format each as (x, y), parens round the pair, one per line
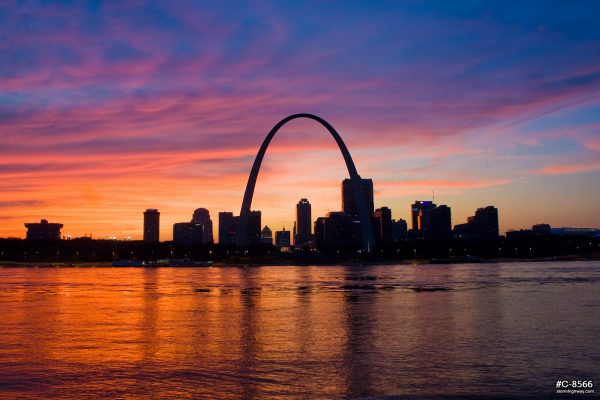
(568, 168)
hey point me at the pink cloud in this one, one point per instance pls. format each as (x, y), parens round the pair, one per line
(569, 168)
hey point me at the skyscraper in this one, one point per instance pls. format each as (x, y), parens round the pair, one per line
(226, 227)
(202, 216)
(420, 211)
(282, 238)
(266, 235)
(430, 221)
(188, 233)
(254, 230)
(440, 223)
(382, 225)
(337, 230)
(303, 223)
(486, 222)
(151, 225)
(482, 225)
(399, 230)
(349, 203)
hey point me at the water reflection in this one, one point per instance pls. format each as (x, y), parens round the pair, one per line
(324, 332)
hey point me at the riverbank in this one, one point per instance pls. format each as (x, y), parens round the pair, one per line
(284, 262)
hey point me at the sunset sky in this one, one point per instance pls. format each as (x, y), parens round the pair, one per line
(109, 108)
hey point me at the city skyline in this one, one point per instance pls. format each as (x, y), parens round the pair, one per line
(481, 104)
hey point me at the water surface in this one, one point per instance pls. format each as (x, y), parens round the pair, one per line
(479, 330)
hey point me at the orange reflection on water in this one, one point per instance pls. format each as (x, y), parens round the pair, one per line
(286, 331)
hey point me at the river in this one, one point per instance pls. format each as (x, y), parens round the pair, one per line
(376, 331)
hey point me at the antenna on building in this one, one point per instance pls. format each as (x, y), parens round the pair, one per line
(432, 196)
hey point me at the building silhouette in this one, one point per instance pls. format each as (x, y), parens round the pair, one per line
(382, 225)
(440, 223)
(482, 225)
(349, 202)
(430, 221)
(254, 228)
(266, 235)
(421, 213)
(486, 222)
(188, 233)
(303, 225)
(43, 230)
(541, 229)
(282, 239)
(227, 228)
(399, 230)
(337, 229)
(202, 216)
(197, 231)
(151, 225)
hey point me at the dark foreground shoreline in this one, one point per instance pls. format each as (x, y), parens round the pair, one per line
(283, 263)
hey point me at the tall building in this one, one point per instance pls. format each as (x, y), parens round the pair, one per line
(151, 225)
(282, 239)
(197, 231)
(440, 223)
(399, 230)
(382, 225)
(303, 223)
(266, 235)
(430, 221)
(227, 228)
(254, 230)
(337, 229)
(188, 233)
(202, 216)
(43, 230)
(482, 225)
(349, 203)
(420, 213)
(486, 222)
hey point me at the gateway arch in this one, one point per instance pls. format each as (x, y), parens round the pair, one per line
(356, 182)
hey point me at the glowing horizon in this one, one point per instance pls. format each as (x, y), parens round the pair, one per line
(109, 109)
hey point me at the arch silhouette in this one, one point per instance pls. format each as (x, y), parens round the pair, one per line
(356, 182)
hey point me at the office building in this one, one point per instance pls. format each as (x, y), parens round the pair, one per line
(382, 225)
(227, 228)
(541, 229)
(197, 231)
(266, 235)
(337, 230)
(349, 203)
(303, 226)
(440, 223)
(420, 213)
(202, 216)
(151, 225)
(482, 225)
(282, 239)
(188, 233)
(486, 223)
(254, 228)
(399, 230)
(43, 230)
